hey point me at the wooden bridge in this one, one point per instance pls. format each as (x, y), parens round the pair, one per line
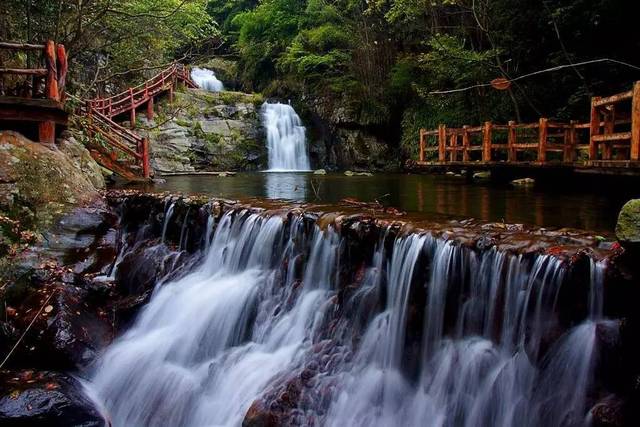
(39, 99)
(609, 141)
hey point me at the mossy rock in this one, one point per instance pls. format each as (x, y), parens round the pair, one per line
(628, 225)
(42, 181)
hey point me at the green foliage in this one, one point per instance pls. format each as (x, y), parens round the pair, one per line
(105, 38)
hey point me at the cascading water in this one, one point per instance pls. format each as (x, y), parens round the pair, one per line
(206, 79)
(286, 140)
(427, 333)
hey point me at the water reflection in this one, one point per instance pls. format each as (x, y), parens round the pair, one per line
(286, 186)
(434, 197)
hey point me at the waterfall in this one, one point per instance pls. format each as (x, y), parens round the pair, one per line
(206, 79)
(424, 331)
(286, 140)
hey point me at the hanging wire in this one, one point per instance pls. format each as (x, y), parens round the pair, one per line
(559, 67)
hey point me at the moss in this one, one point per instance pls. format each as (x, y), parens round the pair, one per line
(183, 123)
(628, 225)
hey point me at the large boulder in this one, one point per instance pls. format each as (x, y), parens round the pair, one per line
(628, 225)
(208, 131)
(34, 399)
(38, 182)
(81, 158)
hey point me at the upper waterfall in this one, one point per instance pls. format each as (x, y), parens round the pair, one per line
(286, 140)
(206, 79)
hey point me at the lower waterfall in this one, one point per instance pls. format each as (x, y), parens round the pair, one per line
(271, 326)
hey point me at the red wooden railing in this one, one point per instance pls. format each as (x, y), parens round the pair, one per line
(611, 138)
(119, 138)
(53, 70)
(101, 111)
(134, 97)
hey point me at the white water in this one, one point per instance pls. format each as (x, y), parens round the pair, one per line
(260, 310)
(206, 79)
(286, 139)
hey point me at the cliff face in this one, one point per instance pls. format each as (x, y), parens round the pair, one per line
(340, 139)
(205, 131)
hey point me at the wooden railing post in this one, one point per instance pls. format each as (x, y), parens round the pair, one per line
(543, 133)
(146, 169)
(486, 142)
(47, 128)
(150, 108)
(569, 154)
(62, 69)
(635, 123)
(51, 86)
(422, 144)
(465, 143)
(511, 142)
(453, 143)
(609, 128)
(594, 129)
(89, 119)
(132, 114)
(442, 143)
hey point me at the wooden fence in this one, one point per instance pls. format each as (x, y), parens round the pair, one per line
(42, 93)
(612, 137)
(135, 97)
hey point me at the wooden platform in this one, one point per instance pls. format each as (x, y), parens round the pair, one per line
(591, 167)
(33, 110)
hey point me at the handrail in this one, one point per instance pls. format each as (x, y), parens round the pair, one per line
(614, 135)
(55, 71)
(100, 112)
(138, 95)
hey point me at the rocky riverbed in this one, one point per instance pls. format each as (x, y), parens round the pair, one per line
(65, 301)
(78, 264)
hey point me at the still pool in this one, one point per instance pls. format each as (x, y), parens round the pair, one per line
(434, 196)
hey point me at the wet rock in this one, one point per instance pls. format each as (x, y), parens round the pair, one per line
(628, 225)
(259, 416)
(67, 327)
(47, 399)
(609, 412)
(523, 182)
(482, 176)
(320, 172)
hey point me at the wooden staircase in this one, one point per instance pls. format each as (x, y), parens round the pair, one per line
(120, 149)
